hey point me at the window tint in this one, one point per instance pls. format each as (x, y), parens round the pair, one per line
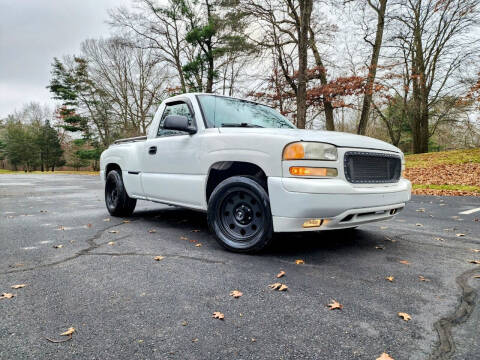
(179, 108)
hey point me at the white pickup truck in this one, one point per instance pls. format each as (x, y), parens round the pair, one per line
(253, 172)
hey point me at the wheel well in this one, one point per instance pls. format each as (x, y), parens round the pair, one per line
(226, 169)
(111, 167)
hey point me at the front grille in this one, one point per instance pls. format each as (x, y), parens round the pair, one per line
(367, 167)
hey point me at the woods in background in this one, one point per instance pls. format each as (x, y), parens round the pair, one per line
(405, 71)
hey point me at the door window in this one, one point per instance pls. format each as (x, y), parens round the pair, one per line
(177, 108)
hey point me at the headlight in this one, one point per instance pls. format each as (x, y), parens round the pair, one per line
(310, 151)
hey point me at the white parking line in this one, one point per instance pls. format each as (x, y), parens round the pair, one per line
(471, 211)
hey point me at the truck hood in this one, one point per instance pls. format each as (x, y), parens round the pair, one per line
(332, 137)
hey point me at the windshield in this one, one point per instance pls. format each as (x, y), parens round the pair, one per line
(222, 111)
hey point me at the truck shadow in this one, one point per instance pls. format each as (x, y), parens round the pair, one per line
(336, 241)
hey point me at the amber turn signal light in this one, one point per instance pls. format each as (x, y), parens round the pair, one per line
(294, 151)
(310, 171)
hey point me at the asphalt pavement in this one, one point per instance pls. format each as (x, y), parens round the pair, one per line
(105, 282)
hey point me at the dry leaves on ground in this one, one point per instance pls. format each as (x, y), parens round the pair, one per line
(183, 238)
(68, 333)
(390, 278)
(404, 316)
(475, 250)
(459, 235)
(385, 356)
(111, 243)
(19, 286)
(476, 276)
(299, 262)
(379, 247)
(280, 274)
(113, 231)
(476, 262)
(89, 225)
(334, 305)
(6, 296)
(126, 221)
(158, 258)
(236, 294)
(421, 278)
(198, 245)
(404, 262)
(218, 315)
(419, 225)
(439, 239)
(57, 246)
(152, 231)
(278, 286)
(107, 219)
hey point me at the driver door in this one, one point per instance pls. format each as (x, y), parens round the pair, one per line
(171, 166)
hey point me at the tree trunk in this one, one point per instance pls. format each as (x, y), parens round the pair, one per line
(303, 31)
(327, 105)
(372, 71)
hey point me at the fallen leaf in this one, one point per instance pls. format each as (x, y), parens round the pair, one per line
(89, 225)
(183, 238)
(195, 231)
(278, 286)
(421, 278)
(6, 296)
(158, 258)
(152, 231)
(419, 225)
(218, 315)
(61, 228)
(18, 286)
(476, 250)
(335, 305)
(383, 227)
(404, 316)
(126, 221)
(405, 262)
(113, 231)
(459, 235)
(107, 219)
(392, 240)
(16, 265)
(192, 241)
(280, 274)
(236, 294)
(477, 262)
(111, 243)
(379, 247)
(184, 323)
(476, 277)
(198, 245)
(253, 339)
(57, 246)
(299, 262)
(390, 278)
(385, 356)
(439, 239)
(421, 210)
(69, 332)
(195, 340)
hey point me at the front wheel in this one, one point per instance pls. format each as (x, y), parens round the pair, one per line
(239, 215)
(116, 198)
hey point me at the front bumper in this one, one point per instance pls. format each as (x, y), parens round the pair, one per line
(336, 202)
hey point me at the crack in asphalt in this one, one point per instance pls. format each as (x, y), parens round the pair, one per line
(92, 246)
(208, 261)
(446, 345)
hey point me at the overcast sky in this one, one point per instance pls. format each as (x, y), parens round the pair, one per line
(32, 32)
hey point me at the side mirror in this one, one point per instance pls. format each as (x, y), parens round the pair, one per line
(179, 123)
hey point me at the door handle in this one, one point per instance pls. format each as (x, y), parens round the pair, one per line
(152, 150)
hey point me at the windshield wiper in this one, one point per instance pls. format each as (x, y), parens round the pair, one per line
(242, 125)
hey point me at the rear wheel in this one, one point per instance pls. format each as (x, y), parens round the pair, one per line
(116, 198)
(239, 215)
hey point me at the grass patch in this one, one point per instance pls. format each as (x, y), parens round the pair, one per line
(441, 158)
(66, 172)
(447, 187)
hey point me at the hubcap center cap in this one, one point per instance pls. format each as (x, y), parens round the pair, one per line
(243, 214)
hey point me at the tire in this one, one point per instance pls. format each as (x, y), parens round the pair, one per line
(116, 198)
(239, 215)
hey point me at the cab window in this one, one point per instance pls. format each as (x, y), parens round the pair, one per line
(176, 108)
